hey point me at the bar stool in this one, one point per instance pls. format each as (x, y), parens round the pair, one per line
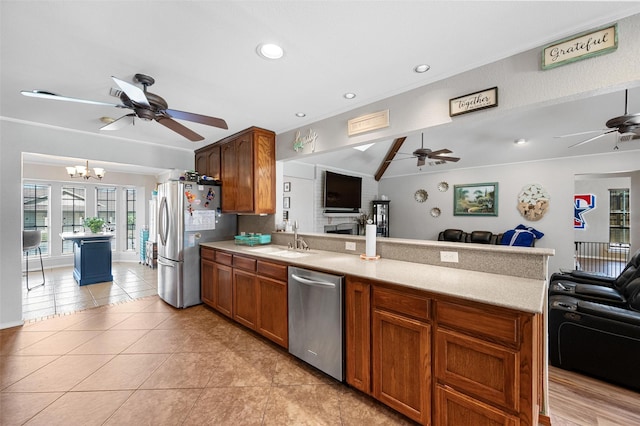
(30, 241)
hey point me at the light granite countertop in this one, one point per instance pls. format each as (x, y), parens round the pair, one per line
(522, 294)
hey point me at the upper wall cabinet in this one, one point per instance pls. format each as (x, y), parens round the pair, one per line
(208, 161)
(247, 167)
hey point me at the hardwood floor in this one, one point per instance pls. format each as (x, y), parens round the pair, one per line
(575, 399)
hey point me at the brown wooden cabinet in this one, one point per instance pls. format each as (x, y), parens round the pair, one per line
(248, 172)
(358, 334)
(273, 321)
(486, 367)
(245, 292)
(207, 266)
(455, 408)
(253, 292)
(401, 352)
(245, 296)
(223, 286)
(208, 161)
(477, 364)
(245, 163)
(216, 280)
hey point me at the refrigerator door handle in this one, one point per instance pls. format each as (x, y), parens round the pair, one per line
(163, 220)
(160, 262)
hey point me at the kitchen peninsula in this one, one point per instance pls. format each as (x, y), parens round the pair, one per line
(441, 344)
(91, 256)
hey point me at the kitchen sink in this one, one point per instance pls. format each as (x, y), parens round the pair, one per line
(266, 249)
(291, 254)
(277, 251)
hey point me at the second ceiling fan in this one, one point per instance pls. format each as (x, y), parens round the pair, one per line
(423, 153)
(627, 126)
(145, 105)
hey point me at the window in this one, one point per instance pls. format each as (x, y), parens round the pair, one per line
(73, 211)
(106, 209)
(35, 211)
(619, 229)
(130, 197)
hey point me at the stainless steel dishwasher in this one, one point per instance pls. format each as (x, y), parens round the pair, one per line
(316, 320)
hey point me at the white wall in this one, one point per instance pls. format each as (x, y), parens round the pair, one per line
(409, 219)
(521, 82)
(18, 137)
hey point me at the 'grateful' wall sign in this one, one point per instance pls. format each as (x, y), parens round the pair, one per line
(474, 101)
(582, 46)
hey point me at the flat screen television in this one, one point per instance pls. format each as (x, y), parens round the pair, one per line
(342, 192)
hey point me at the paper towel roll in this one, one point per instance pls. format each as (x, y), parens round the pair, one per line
(371, 241)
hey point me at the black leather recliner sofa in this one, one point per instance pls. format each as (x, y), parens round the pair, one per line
(594, 324)
(595, 287)
(481, 237)
(454, 235)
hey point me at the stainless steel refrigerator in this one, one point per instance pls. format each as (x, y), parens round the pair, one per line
(188, 214)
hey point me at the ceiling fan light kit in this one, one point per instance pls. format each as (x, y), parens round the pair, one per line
(145, 105)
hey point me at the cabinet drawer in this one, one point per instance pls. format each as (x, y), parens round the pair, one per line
(411, 305)
(490, 322)
(246, 263)
(206, 253)
(224, 258)
(454, 408)
(273, 270)
(484, 370)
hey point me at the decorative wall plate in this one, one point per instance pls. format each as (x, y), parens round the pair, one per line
(421, 195)
(435, 212)
(443, 186)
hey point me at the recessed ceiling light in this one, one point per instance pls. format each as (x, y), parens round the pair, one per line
(421, 68)
(270, 51)
(520, 141)
(363, 148)
(349, 95)
(300, 114)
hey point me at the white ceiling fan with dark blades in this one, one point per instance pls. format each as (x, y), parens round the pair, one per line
(145, 105)
(423, 153)
(627, 126)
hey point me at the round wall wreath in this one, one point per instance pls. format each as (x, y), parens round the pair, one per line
(533, 201)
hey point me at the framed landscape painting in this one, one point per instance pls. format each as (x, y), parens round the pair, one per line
(475, 199)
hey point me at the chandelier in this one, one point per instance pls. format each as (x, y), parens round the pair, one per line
(85, 172)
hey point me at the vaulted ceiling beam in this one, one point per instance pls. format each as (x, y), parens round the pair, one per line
(390, 155)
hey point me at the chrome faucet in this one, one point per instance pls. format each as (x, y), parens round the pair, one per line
(298, 242)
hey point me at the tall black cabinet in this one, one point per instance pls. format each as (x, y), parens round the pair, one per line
(381, 217)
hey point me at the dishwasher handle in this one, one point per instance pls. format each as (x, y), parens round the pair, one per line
(313, 282)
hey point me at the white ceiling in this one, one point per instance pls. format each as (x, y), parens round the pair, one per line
(202, 55)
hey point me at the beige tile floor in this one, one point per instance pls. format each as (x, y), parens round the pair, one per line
(141, 361)
(61, 294)
(144, 362)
